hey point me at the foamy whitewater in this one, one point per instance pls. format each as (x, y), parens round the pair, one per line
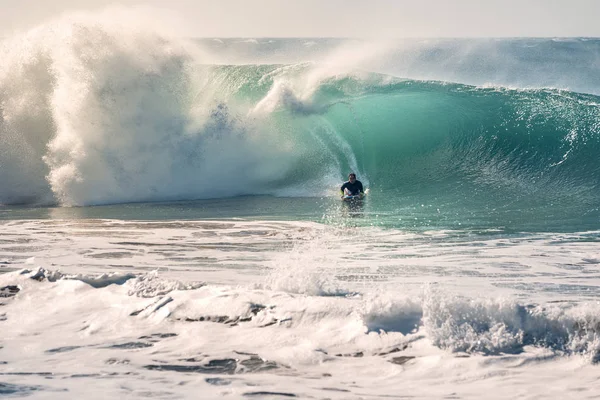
(170, 225)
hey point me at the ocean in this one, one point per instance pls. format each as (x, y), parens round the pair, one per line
(170, 221)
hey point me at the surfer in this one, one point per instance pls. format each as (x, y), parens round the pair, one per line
(353, 187)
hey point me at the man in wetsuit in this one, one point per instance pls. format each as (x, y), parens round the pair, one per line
(352, 187)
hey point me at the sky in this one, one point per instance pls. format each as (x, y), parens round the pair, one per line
(336, 18)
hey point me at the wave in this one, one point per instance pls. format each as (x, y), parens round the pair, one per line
(94, 113)
(488, 327)
(504, 326)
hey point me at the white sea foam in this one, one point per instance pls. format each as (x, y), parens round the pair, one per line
(293, 307)
(271, 341)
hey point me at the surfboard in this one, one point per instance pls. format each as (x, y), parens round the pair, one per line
(356, 197)
(352, 198)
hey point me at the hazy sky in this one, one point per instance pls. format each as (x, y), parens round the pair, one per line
(345, 18)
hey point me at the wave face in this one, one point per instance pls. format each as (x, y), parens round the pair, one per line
(96, 114)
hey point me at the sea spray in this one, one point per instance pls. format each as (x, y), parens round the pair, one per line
(95, 113)
(496, 325)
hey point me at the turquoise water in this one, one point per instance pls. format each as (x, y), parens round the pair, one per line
(405, 212)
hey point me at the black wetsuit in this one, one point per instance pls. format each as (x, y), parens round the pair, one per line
(354, 188)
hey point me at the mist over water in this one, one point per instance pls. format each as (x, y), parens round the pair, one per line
(560, 63)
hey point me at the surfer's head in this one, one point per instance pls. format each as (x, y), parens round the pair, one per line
(351, 176)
